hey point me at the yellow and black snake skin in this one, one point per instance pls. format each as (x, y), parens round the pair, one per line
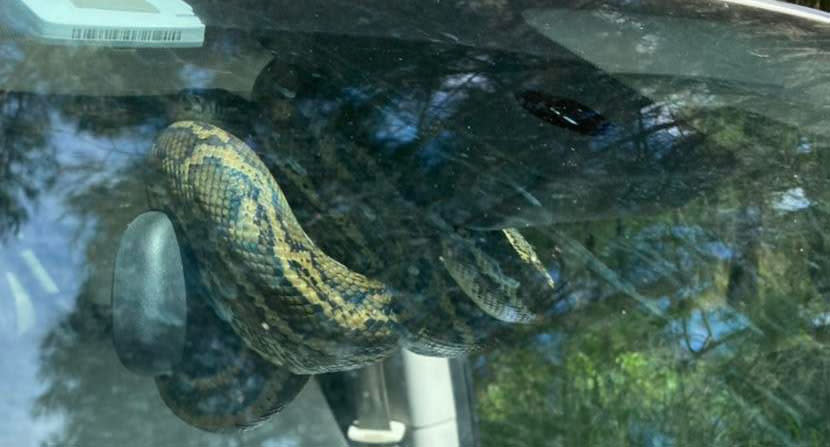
(288, 300)
(299, 309)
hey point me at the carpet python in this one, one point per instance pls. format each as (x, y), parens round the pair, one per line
(291, 302)
(290, 306)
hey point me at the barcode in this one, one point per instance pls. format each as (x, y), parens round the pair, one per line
(126, 35)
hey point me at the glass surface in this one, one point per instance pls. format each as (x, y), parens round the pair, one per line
(554, 223)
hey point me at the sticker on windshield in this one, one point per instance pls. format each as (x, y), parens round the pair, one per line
(118, 23)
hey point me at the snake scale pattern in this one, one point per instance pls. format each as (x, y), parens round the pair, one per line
(289, 301)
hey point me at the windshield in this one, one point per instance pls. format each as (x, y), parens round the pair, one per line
(473, 223)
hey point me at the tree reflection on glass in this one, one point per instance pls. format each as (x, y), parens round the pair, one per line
(27, 159)
(736, 354)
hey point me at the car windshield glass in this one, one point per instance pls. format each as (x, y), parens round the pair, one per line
(427, 223)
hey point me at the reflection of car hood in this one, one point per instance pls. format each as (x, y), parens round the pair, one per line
(775, 51)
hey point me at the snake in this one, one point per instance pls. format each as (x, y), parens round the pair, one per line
(284, 309)
(288, 300)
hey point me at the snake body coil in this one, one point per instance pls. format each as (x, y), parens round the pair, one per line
(291, 302)
(287, 299)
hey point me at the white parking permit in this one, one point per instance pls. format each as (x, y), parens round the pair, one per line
(23, 304)
(120, 23)
(39, 272)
